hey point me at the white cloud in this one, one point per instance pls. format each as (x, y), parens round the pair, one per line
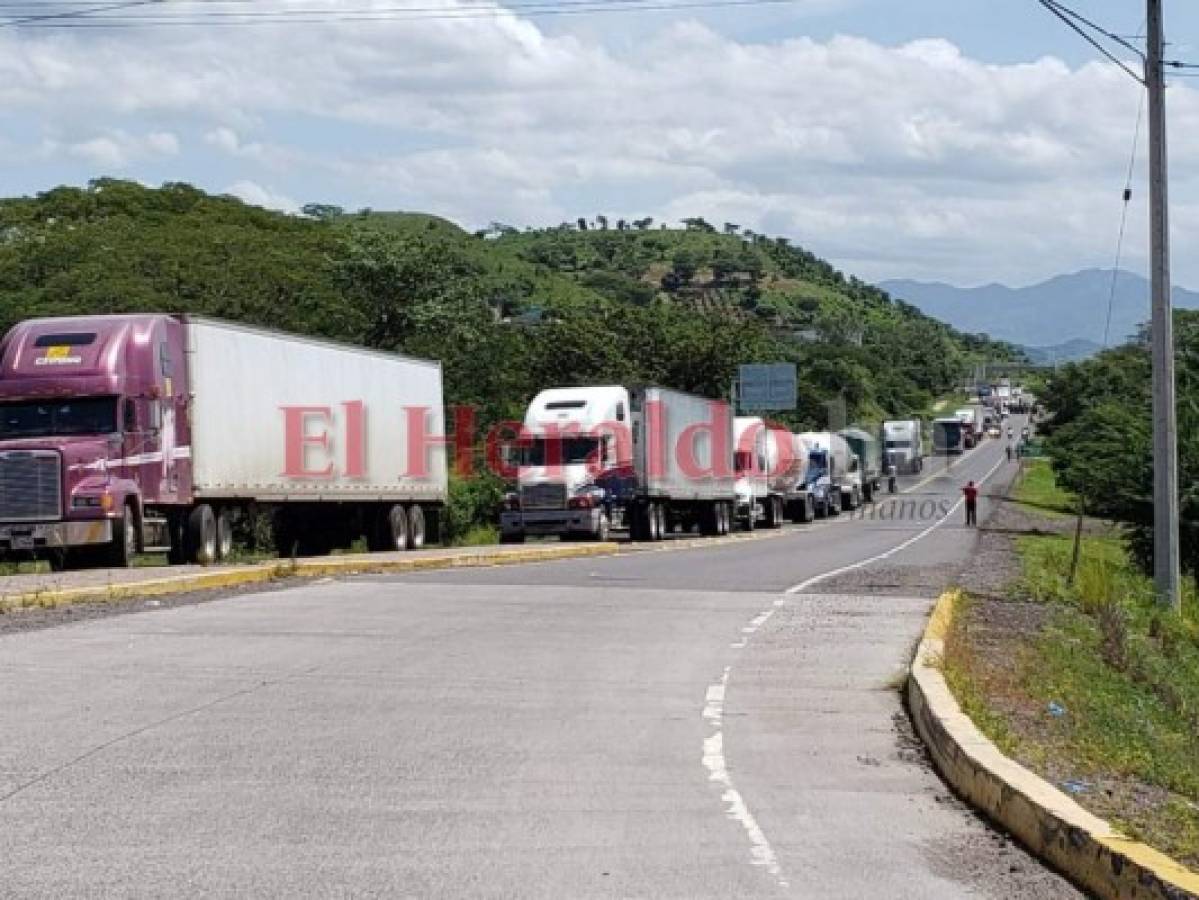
(908, 160)
(257, 195)
(115, 149)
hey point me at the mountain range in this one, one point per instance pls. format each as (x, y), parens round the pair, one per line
(1063, 317)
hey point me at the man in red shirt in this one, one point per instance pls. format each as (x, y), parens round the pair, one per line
(971, 494)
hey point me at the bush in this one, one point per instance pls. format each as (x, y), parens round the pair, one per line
(473, 504)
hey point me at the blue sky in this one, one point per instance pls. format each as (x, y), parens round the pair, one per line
(966, 141)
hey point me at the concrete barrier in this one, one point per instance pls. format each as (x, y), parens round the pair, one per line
(315, 567)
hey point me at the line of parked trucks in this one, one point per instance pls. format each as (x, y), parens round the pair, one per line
(652, 461)
(151, 432)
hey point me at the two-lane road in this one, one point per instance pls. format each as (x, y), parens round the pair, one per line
(664, 723)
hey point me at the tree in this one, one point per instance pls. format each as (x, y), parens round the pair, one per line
(602, 221)
(684, 264)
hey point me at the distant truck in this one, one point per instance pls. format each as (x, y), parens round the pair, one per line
(591, 459)
(152, 432)
(949, 436)
(769, 464)
(831, 454)
(903, 445)
(866, 447)
(973, 417)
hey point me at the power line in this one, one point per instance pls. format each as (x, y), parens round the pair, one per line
(477, 11)
(41, 18)
(1111, 297)
(1073, 20)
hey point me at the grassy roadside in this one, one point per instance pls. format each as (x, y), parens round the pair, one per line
(1088, 684)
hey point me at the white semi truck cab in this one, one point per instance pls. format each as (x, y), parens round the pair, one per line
(644, 458)
(903, 445)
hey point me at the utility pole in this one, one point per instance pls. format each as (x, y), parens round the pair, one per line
(1165, 425)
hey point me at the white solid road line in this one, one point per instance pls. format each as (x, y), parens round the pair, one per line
(713, 757)
(861, 564)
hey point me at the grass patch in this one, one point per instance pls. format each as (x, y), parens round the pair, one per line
(970, 684)
(1102, 696)
(478, 536)
(1039, 489)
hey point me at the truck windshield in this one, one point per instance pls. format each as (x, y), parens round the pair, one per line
(45, 418)
(561, 451)
(898, 445)
(817, 467)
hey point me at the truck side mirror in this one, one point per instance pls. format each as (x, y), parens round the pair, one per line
(129, 415)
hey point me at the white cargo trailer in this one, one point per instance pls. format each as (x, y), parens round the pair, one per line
(354, 411)
(242, 380)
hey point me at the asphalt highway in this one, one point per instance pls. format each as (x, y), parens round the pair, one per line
(713, 722)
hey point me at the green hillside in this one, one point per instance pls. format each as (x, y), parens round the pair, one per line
(507, 311)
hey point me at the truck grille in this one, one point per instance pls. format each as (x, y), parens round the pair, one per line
(543, 496)
(30, 486)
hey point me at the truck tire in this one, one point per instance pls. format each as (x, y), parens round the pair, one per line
(397, 528)
(603, 528)
(868, 491)
(201, 535)
(224, 534)
(416, 527)
(120, 551)
(751, 518)
(725, 518)
(517, 537)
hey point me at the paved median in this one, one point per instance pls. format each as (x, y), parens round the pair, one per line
(41, 591)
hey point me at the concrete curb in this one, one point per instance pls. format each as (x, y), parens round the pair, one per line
(267, 572)
(1050, 824)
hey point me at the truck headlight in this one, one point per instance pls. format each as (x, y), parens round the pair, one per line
(92, 501)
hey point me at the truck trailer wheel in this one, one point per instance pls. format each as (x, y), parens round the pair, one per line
(512, 537)
(224, 534)
(397, 528)
(416, 527)
(751, 518)
(201, 535)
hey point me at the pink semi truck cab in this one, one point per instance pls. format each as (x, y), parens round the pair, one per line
(154, 432)
(93, 436)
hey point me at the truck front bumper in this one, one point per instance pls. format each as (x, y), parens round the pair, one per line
(550, 521)
(54, 535)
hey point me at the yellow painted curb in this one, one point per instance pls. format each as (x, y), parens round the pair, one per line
(259, 574)
(1053, 826)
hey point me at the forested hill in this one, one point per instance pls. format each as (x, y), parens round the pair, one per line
(507, 311)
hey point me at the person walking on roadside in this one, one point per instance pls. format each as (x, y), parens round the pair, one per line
(1009, 452)
(970, 491)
